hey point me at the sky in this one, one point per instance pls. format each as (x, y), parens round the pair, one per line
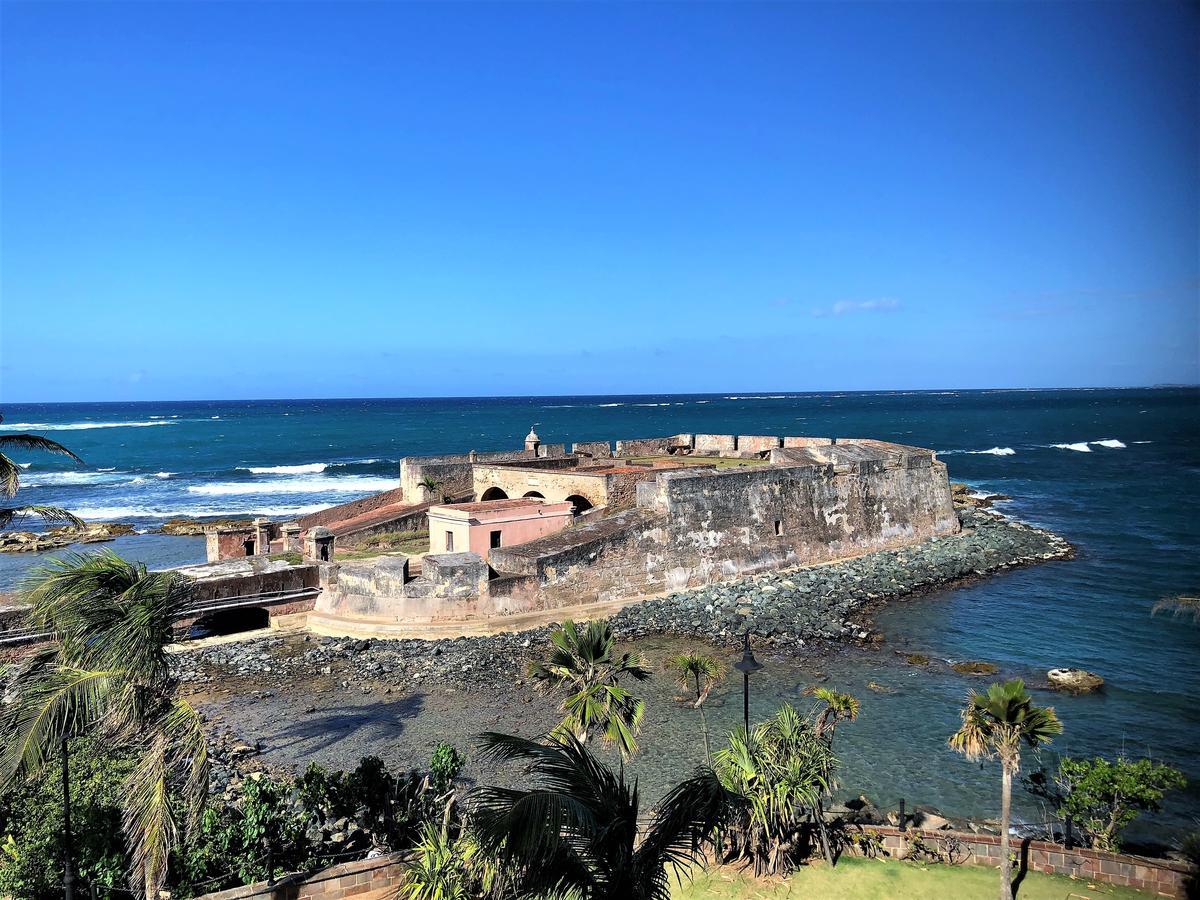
(275, 200)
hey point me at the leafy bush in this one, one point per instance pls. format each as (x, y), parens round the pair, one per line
(31, 816)
(1103, 796)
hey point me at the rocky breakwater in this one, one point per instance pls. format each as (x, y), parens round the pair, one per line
(57, 538)
(798, 607)
(193, 527)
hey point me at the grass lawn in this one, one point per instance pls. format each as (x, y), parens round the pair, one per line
(872, 879)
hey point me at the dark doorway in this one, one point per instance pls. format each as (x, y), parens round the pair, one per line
(582, 504)
(494, 493)
(535, 495)
(230, 621)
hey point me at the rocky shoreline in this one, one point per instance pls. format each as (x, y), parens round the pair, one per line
(797, 611)
(57, 538)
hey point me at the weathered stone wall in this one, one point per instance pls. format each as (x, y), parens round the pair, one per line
(715, 443)
(593, 449)
(659, 446)
(757, 443)
(452, 470)
(416, 519)
(555, 486)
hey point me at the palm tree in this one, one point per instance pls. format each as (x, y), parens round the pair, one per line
(574, 832)
(701, 673)
(431, 486)
(995, 725)
(1178, 606)
(10, 479)
(582, 662)
(835, 707)
(106, 673)
(780, 775)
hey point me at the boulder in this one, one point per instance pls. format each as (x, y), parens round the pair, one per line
(1076, 681)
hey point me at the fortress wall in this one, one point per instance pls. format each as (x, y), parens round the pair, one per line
(453, 470)
(806, 442)
(593, 449)
(661, 446)
(554, 486)
(715, 443)
(757, 443)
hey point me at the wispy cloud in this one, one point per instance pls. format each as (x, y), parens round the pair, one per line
(846, 307)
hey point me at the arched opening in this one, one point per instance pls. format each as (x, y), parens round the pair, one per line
(494, 493)
(582, 504)
(230, 621)
(535, 495)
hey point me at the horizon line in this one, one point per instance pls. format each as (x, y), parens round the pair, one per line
(758, 392)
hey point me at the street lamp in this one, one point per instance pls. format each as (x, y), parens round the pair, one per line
(68, 849)
(746, 665)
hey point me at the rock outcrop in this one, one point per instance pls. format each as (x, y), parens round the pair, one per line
(57, 538)
(1075, 681)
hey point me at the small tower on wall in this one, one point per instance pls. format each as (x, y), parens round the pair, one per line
(532, 442)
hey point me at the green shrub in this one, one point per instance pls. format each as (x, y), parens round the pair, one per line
(31, 816)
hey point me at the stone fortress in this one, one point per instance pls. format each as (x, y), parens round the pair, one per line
(541, 529)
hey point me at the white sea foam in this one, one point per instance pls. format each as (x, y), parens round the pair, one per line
(1110, 442)
(305, 484)
(994, 451)
(60, 479)
(75, 426)
(1081, 447)
(1136, 442)
(108, 513)
(603, 405)
(306, 469)
(163, 474)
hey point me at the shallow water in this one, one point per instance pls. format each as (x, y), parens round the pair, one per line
(1127, 501)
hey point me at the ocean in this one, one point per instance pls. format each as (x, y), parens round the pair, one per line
(1113, 471)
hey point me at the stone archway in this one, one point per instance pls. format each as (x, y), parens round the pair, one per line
(535, 495)
(231, 621)
(582, 504)
(493, 493)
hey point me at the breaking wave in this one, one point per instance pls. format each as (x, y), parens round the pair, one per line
(1081, 447)
(348, 484)
(994, 451)
(76, 426)
(110, 513)
(1110, 442)
(306, 469)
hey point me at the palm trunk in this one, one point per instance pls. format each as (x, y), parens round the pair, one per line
(704, 728)
(1005, 816)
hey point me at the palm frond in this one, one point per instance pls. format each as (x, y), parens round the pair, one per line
(54, 702)
(51, 515)
(149, 821)
(10, 472)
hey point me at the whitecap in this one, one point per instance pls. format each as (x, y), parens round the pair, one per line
(60, 479)
(305, 469)
(1081, 447)
(1109, 442)
(111, 513)
(994, 451)
(75, 426)
(603, 405)
(1136, 442)
(163, 474)
(346, 484)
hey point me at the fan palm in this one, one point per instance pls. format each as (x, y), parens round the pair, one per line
(10, 478)
(701, 673)
(995, 725)
(582, 662)
(780, 773)
(431, 486)
(105, 672)
(574, 833)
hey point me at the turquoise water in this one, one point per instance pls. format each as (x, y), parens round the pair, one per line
(1113, 471)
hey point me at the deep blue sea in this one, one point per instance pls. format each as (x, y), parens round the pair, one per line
(1114, 471)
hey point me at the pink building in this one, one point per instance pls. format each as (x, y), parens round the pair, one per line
(482, 527)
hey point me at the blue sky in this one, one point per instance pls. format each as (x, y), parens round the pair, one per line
(219, 200)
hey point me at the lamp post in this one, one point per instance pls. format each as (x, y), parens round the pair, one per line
(746, 665)
(68, 850)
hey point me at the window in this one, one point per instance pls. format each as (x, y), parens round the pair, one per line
(495, 539)
(779, 526)
(449, 541)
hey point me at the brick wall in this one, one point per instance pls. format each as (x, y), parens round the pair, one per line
(367, 879)
(1160, 876)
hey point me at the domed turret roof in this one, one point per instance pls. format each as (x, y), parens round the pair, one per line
(532, 436)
